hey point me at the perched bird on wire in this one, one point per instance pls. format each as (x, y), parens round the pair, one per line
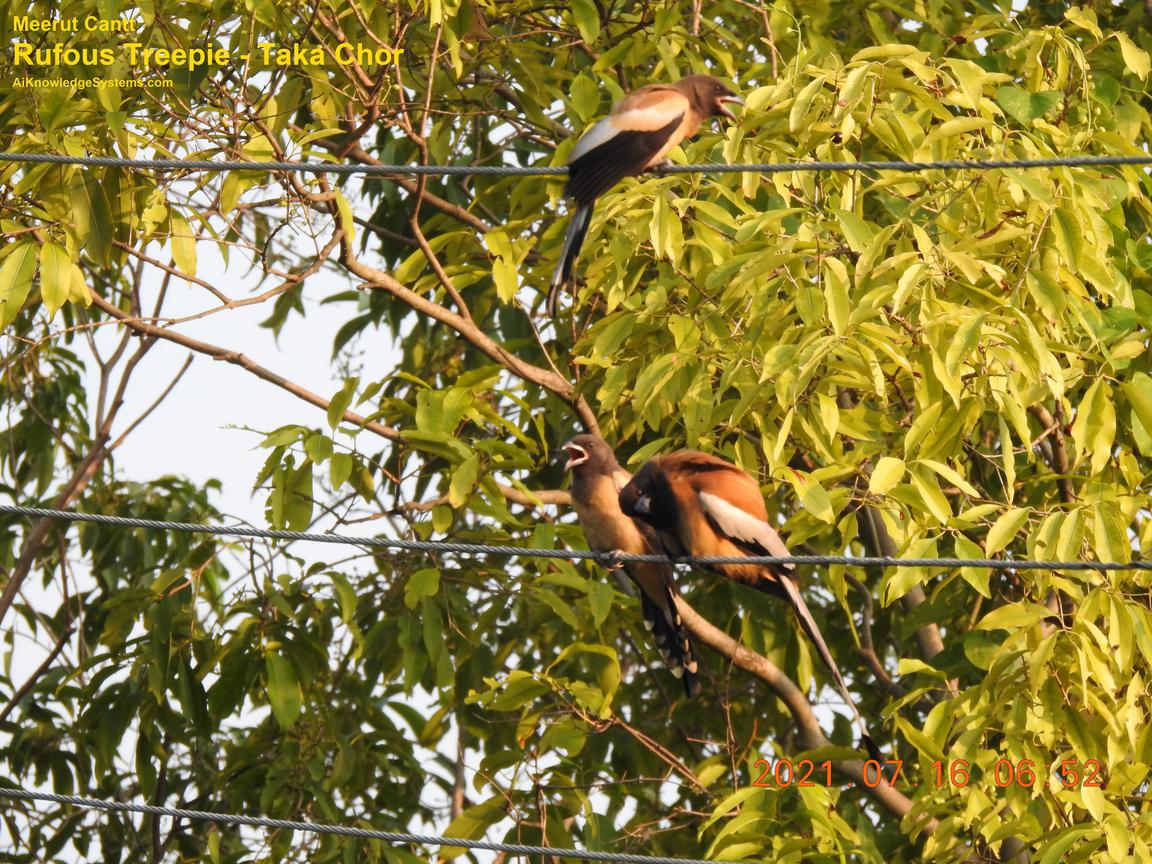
(636, 136)
(597, 479)
(702, 506)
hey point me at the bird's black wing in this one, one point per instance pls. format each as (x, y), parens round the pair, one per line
(625, 154)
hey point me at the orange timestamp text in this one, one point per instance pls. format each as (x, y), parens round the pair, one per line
(956, 773)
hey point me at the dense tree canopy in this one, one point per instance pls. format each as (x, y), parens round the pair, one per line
(934, 362)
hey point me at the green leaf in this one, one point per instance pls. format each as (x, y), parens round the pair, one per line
(344, 211)
(888, 472)
(183, 244)
(341, 401)
(1135, 57)
(600, 596)
(967, 335)
(803, 103)
(952, 476)
(815, 498)
(472, 824)
(1004, 530)
(977, 577)
(1094, 428)
(463, 481)
(504, 271)
(1013, 616)
(1062, 843)
(16, 279)
(1138, 392)
(857, 232)
(836, 294)
(283, 690)
(587, 18)
(423, 583)
(1069, 232)
(92, 216)
(1024, 107)
(930, 494)
(298, 497)
(340, 469)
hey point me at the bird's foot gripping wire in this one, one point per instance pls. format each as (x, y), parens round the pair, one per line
(611, 560)
(660, 169)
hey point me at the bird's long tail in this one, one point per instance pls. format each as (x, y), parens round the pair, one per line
(792, 592)
(671, 638)
(573, 239)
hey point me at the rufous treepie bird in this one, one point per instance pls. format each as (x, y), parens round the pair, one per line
(700, 506)
(636, 136)
(597, 479)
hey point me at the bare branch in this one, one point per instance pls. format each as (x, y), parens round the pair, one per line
(811, 735)
(27, 686)
(545, 378)
(246, 363)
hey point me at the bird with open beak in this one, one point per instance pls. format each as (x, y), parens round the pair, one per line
(597, 479)
(702, 506)
(636, 136)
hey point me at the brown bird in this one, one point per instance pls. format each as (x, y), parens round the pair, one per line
(701, 506)
(597, 479)
(637, 135)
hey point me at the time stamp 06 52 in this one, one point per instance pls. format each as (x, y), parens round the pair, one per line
(957, 773)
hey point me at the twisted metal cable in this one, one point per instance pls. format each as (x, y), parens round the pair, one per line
(1080, 161)
(609, 558)
(341, 830)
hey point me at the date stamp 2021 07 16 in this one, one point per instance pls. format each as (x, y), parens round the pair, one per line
(956, 773)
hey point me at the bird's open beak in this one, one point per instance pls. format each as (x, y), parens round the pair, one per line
(735, 100)
(577, 455)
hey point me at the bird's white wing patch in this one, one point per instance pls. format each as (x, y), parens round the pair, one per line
(641, 118)
(603, 131)
(740, 525)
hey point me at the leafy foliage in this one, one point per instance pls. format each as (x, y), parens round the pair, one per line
(916, 363)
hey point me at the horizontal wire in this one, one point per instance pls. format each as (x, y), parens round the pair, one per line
(608, 558)
(1083, 161)
(341, 830)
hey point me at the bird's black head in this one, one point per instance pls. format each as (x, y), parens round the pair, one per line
(648, 497)
(709, 95)
(587, 453)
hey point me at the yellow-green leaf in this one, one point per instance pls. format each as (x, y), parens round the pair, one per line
(463, 481)
(836, 294)
(16, 279)
(1013, 616)
(1004, 530)
(1135, 57)
(587, 18)
(347, 222)
(183, 245)
(1094, 428)
(888, 472)
(55, 275)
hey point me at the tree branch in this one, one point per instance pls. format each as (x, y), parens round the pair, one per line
(27, 686)
(874, 534)
(811, 735)
(246, 363)
(545, 378)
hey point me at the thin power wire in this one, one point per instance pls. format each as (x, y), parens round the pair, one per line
(342, 830)
(1081, 161)
(448, 547)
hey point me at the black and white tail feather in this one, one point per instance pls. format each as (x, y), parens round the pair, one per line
(759, 538)
(672, 639)
(578, 224)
